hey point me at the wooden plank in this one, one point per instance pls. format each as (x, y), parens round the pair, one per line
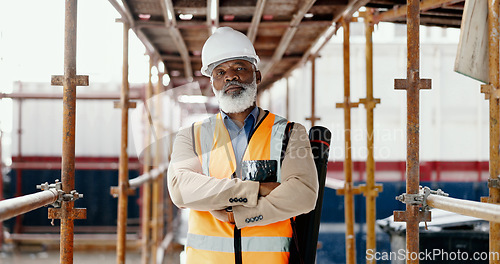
(472, 54)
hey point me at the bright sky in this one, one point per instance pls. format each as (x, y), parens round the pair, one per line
(32, 46)
(32, 42)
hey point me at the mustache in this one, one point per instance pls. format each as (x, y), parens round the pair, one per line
(243, 85)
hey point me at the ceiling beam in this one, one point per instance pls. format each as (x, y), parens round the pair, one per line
(257, 15)
(177, 58)
(321, 41)
(235, 25)
(352, 7)
(400, 11)
(124, 11)
(288, 36)
(171, 24)
(128, 17)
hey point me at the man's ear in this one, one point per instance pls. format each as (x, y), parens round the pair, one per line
(258, 76)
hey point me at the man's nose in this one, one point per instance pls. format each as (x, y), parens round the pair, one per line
(231, 76)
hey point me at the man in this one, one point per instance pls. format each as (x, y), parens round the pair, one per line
(243, 172)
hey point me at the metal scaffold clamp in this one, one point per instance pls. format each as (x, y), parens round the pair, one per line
(57, 186)
(494, 183)
(419, 199)
(55, 213)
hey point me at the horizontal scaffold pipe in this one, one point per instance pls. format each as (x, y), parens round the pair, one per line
(146, 177)
(26, 203)
(490, 212)
(334, 183)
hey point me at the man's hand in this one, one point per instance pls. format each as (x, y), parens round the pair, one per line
(266, 187)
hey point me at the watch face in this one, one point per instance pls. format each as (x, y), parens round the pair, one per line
(259, 170)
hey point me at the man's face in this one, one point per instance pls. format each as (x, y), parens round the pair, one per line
(235, 85)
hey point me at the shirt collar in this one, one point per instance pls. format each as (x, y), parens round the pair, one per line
(254, 114)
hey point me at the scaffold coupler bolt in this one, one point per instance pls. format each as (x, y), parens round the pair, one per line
(420, 198)
(62, 196)
(494, 183)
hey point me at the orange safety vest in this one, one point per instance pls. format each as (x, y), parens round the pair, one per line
(213, 241)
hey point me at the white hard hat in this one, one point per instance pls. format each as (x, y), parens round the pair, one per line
(225, 44)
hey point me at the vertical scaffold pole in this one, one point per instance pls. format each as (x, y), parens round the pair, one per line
(146, 188)
(349, 190)
(412, 216)
(67, 213)
(370, 190)
(287, 103)
(494, 98)
(313, 117)
(157, 212)
(123, 184)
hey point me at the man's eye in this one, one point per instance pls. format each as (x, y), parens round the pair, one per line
(219, 73)
(240, 68)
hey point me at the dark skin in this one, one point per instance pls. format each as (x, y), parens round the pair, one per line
(241, 71)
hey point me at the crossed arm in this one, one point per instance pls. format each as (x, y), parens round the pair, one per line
(297, 193)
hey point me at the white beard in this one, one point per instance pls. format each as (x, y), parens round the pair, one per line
(240, 102)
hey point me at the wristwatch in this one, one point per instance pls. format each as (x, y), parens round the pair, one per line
(230, 215)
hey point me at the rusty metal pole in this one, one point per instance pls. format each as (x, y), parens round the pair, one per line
(350, 242)
(313, 117)
(155, 199)
(413, 215)
(160, 157)
(146, 189)
(287, 98)
(19, 172)
(313, 91)
(371, 190)
(123, 184)
(494, 196)
(413, 100)
(67, 213)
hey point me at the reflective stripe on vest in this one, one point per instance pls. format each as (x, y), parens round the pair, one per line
(250, 244)
(207, 234)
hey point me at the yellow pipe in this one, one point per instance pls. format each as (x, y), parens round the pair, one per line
(494, 197)
(349, 196)
(146, 192)
(371, 242)
(123, 169)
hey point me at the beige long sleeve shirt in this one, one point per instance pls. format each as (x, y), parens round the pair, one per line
(297, 193)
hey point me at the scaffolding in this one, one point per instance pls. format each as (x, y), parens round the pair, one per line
(156, 238)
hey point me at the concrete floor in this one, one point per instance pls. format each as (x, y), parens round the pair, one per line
(46, 257)
(37, 256)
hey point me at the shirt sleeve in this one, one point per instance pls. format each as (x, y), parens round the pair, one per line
(297, 192)
(190, 188)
